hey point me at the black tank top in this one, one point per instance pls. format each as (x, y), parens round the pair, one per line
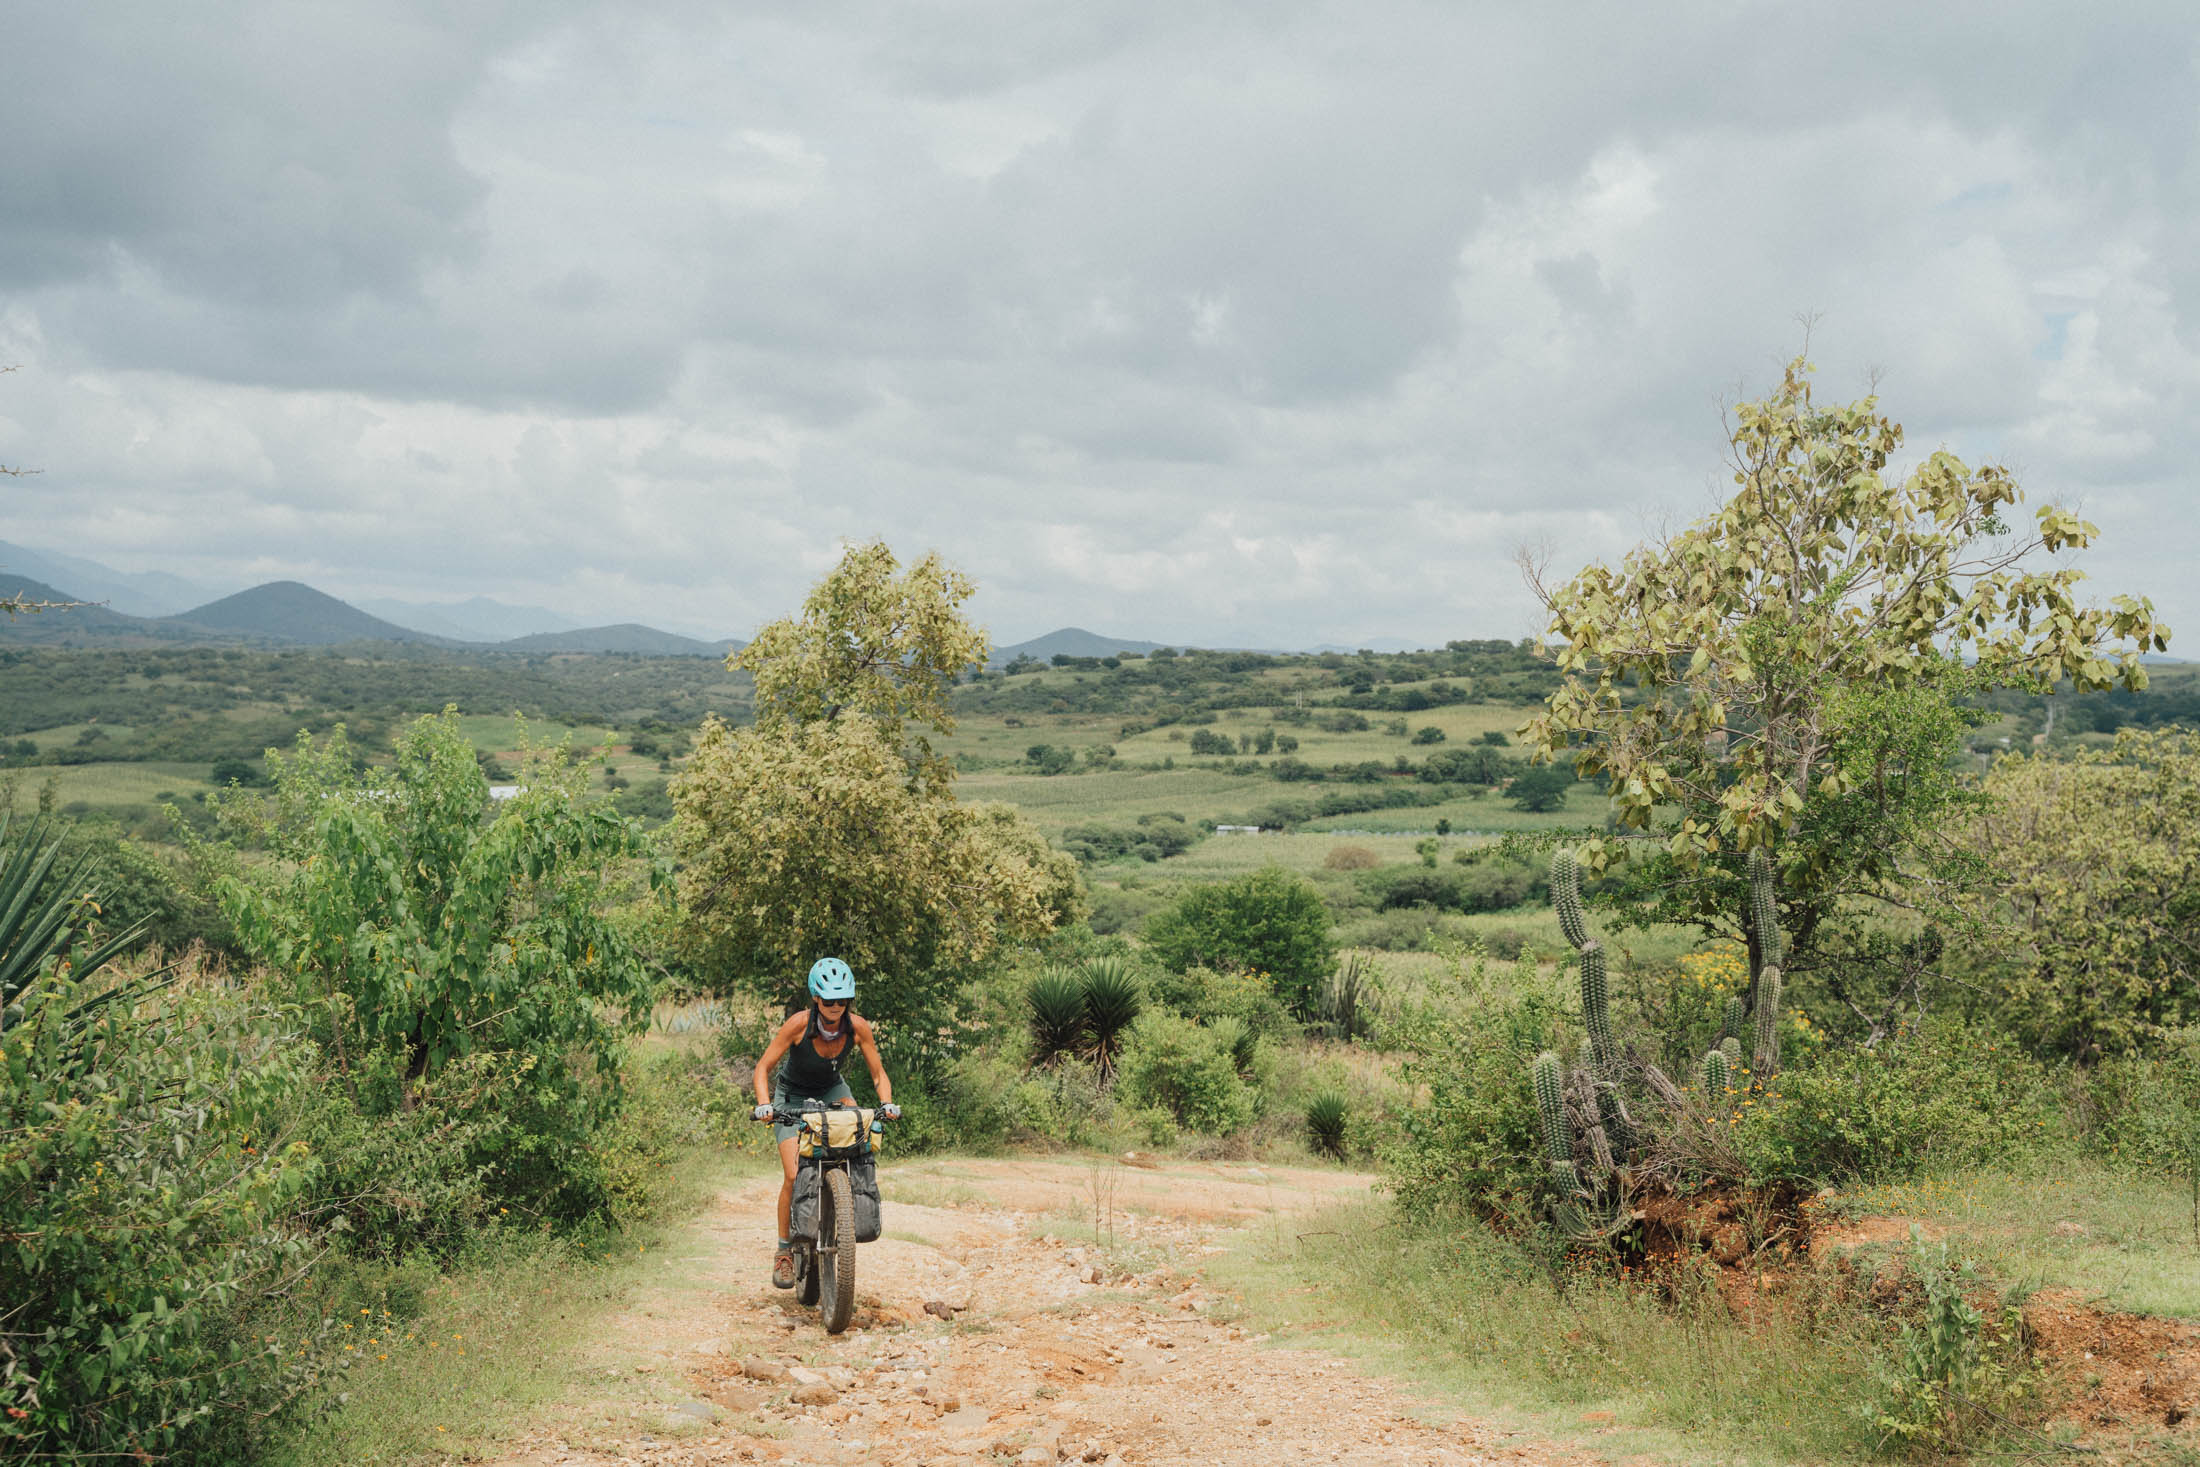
(806, 1072)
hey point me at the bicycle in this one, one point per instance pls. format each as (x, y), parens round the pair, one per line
(825, 1251)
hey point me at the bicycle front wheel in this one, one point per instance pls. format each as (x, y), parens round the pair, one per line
(837, 1226)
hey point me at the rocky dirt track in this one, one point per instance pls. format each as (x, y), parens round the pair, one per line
(983, 1340)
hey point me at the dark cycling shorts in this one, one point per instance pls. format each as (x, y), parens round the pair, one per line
(781, 1100)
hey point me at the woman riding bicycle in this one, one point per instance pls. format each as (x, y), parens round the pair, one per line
(813, 1043)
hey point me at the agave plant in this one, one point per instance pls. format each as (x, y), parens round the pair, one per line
(1325, 1123)
(1055, 1007)
(1237, 1041)
(1113, 998)
(45, 904)
(1347, 1006)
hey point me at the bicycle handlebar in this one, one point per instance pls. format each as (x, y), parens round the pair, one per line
(784, 1117)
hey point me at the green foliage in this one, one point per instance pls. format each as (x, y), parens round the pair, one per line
(1208, 742)
(1269, 921)
(2144, 1110)
(1327, 1116)
(1156, 836)
(1055, 1005)
(420, 929)
(442, 930)
(1209, 994)
(1957, 1371)
(147, 1197)
(1172, 1064)
(1946, 1095)
(1736, 638)
(1540, 788)
(876, 643)
(832, 827)
(1351, 1001)
(1477, 1140)
(1428, 734)
(2089, 942)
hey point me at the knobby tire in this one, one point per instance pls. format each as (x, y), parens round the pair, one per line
(837, 1226)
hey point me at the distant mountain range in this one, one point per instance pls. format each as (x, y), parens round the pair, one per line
(148, 607)
(290, 613)
(1070, 642)
(1077, 642)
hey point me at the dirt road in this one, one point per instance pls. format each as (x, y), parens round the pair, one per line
(1035, 1349)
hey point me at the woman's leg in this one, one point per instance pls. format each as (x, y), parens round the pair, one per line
(786, 1185)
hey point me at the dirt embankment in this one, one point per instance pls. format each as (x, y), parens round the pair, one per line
(1033, 1350)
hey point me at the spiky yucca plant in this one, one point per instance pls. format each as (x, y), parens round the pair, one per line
(1326, 1114)
(1113, 999)
(1054, 1005)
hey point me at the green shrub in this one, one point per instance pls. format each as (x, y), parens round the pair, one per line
(1948, 1095)
(422, 930)
(1474, 1140)
(2145, 1110)
(148, 1198)
(1268, 920)
(1185, 1069)
(1241, 994)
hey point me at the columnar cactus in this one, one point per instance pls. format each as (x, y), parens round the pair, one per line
(1566, 897)
(1766, 1060)
(1716, 1075)
(1731, 1047)
(1596, 1011)
(1596, 998)
(1550, 1107)
(1737, 1015)
(1764, 917)
(1764, 912)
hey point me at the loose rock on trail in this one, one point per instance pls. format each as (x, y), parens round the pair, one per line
(980, 1340)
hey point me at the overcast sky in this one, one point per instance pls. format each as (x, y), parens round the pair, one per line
(1220, 323)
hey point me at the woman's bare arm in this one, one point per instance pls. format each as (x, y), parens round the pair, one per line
(783, 1041)
(879, 1082)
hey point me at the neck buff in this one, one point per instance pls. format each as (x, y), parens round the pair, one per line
(826, 1031)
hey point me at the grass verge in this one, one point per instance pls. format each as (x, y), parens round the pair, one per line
(1447, 1303)
(494, 1337)
(2123, 1237)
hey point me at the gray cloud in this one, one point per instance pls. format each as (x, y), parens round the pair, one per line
(1221, 323)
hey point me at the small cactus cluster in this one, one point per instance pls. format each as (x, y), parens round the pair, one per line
(1765, 919)
(1723, 1059)
(1599, 1119)
(1613, 1132)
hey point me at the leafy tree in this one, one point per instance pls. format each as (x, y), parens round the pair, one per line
(1756, 679)
(1051, 758)
(875, 641)
(829, 828)
(1207, 741)
(235, 771)
(2096, 894)
(1540, 788)
(1428, 733)
(426, 927)
(1267, 921)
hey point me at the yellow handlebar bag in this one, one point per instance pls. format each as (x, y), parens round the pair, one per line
(840, 1129)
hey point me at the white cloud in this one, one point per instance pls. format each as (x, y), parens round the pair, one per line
(1241, 324)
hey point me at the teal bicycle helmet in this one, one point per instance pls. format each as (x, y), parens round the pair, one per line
(830, 978)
